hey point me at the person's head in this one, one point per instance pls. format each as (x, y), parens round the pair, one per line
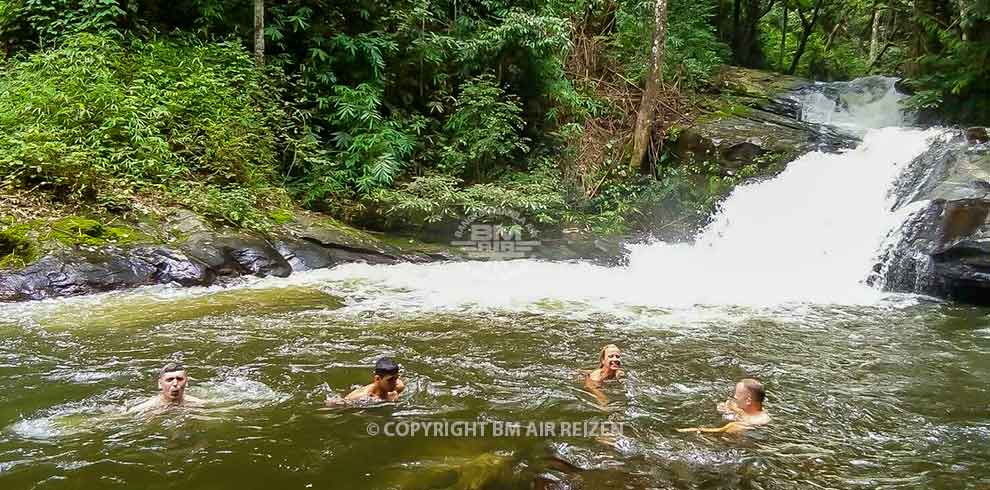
(386, 374)
(172, 382)
(750, 394)
(610, 357)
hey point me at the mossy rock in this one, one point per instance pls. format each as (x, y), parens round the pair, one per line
(281, 216)
(76, 230)
(17, 248)
(757, 84)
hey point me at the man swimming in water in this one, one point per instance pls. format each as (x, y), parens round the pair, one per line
(609, 367)
(385, 385)
(744, 410)
(172, 382)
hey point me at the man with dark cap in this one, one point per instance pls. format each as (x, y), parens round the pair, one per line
(385, 385)
(172, 382)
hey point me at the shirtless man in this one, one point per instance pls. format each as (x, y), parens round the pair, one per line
(172, 382)
(385, 386)
(609, 367)
(744, 410)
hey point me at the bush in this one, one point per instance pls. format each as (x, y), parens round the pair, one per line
(536, 197)
(94, 118)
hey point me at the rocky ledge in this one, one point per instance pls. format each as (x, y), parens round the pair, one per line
(80, 256)
(76, 256)
(754, 121)
(943, 249)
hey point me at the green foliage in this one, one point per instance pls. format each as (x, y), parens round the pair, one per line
(96, 118)
(430, 199)
(692, 51)
(233, 205)
(50, 21)
(483, 130)
(955, 78)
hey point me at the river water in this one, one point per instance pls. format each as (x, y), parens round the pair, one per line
(866, 389)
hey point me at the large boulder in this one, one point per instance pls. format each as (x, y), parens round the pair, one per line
(943, 248)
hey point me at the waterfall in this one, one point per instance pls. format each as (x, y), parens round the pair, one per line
(856, 106)
(809, 235)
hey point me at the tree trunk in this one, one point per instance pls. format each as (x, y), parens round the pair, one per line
(783, 36)
(736, 8)
(965, 24)
(648, 104)
(875, 36)
(259, 33)
(831, 36)
(807, 28)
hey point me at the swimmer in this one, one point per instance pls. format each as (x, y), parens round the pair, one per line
(609, 367)
(172, 382)
(744, 410)
(385, 386)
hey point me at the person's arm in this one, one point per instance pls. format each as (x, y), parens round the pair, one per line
(730, 428)
(145, 406)
(399, 386)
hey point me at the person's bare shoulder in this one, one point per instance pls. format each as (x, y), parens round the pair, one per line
(358, 394)
(757, 420)
(192, 401)
(145, 406)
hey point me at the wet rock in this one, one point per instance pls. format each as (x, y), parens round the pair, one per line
(199, 254)
(303, 255)
(601, 251)
(943, 248)
(233, 255)
(87, 272)
(977, 135)
(183, 223)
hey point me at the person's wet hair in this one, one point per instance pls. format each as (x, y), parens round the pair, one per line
(755, 389)
(386, 366)
(171, 367)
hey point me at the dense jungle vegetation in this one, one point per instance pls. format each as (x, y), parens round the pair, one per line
(399, 113)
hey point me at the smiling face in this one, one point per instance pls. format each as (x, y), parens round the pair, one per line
(173, 386)
(611, 358)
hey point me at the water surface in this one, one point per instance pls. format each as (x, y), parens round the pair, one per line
(889, 395)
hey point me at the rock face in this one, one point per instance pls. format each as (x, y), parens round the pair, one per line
(943, 249)
(197, 254)
(755, 121)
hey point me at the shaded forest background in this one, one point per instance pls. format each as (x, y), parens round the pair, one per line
(398, 114)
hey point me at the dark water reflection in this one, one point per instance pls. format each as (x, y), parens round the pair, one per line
(861, 397)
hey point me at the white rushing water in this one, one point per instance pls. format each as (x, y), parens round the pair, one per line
(856, 106)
